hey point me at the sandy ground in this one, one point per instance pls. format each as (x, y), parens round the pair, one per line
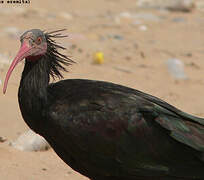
(136, 44)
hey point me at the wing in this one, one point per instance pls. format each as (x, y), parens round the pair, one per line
(134, 132)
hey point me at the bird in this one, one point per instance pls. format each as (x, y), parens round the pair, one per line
(103, 130)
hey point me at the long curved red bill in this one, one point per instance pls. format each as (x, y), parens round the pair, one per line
(22, 53)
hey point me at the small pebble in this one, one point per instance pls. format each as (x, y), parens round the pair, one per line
(143, 28)
(122, 69)
(172, 5)
(178, 19)
(176, 68)
(118, 37)
(2, 139)
(142, 54)
(30, 141)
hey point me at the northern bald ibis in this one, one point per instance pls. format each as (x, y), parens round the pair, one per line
(103, 130)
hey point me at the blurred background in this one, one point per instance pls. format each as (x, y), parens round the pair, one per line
(156, 46)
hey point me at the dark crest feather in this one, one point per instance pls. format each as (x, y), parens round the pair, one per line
(57, 60)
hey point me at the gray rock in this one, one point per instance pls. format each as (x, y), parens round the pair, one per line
(173, 5)
(176, 68)
(137, 17)
(179, 19)
(147, 17)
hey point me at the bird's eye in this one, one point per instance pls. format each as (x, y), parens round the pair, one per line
(38, 40)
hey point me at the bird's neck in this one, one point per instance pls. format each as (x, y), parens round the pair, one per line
(35, 78)
(32, 94)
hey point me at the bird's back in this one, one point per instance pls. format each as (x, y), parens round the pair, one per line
(107, 130)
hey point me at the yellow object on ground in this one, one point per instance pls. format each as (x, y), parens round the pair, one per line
(99, 58)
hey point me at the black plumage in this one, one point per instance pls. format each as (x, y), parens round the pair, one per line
(103, 130)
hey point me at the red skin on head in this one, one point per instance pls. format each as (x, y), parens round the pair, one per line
(26, 51)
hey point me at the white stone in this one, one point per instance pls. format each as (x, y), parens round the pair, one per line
(176, 68)
(143, 28)
(30, 141)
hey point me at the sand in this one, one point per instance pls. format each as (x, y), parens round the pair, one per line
(136, 44)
